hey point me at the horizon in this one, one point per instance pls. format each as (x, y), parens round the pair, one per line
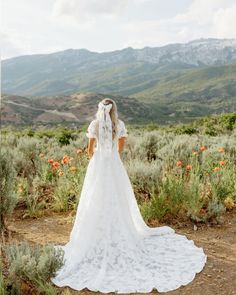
(176, 43)
(98, 26)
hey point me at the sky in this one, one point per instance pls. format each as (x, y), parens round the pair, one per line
(46, 26)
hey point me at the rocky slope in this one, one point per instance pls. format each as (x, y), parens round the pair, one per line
(123, 72)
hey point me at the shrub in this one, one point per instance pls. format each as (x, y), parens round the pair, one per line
(156, 208)
(65, 136)
(8, 196)
(3, 290)
(34, 265)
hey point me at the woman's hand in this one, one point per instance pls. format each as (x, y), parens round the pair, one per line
(90, 149)
(121, 143)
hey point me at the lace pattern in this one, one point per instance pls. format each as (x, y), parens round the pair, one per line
(111, 249)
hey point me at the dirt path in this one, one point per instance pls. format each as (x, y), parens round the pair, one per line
(218, 242)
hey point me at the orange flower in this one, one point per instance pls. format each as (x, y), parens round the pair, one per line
(189, 167)
(79, 151)
(56, 164)
(222, 163)
(73, 169)
(221, 150)
(216, 169)
(203, 148)
(195, 153)
(202, 211)
(50, 160)
(60, 172)
(66, 159)
(179, 163)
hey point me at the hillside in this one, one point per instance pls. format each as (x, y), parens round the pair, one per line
(121, 72)
(197, 93)
(74, 109)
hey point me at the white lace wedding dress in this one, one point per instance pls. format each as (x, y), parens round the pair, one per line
(111, 249)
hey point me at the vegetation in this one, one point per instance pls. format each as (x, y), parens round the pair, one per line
(184, 172)
(32, 265)
(7, 188)
(185, 169)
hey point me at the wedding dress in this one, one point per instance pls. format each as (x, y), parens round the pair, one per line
(111, 249)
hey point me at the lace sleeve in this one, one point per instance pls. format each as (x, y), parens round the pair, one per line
(122, 130)
(92, 130)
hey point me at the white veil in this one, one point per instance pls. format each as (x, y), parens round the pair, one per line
(105, 128)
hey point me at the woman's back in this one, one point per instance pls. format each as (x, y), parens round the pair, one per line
(93, 132)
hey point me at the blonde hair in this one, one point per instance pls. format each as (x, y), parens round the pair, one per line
(113, 114)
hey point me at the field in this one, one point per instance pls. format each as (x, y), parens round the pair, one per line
(183, 176)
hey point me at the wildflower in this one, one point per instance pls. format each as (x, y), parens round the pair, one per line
(50, 160)
(195, 153)
(216, 169)
(79, 151)
(60, 172)
(222, 163)
(189, 167)
(66, 159)
(56, 164)
(202, 211)
(179, 163)
(203, 148)
(221, 150)
(229, 203)
(73, 169)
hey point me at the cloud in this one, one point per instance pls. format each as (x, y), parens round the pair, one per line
(211, 18)
(85, 11)
(224, 23)
(9, 47)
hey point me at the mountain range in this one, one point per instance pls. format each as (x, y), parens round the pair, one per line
(173, 82)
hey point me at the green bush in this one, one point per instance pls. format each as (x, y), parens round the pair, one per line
(65, 136)
(8, 196)
(33, 264)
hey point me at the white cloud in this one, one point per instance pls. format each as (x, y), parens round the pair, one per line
(32, 27)
(224, 23)
(9, 46)
(83, 11)
(211, 18)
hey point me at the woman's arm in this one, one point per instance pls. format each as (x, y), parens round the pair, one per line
(121, 143)
(90, 149)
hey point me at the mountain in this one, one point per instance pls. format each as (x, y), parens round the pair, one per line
(127, 72)
(72, 109)
(199, 92)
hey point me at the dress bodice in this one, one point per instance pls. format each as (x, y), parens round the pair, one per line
(92, 132)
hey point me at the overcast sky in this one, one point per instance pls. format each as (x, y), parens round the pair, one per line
(33, 26)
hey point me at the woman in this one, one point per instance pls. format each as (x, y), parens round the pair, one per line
(111, 249)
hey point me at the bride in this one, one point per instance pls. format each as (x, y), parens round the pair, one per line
(111, 249)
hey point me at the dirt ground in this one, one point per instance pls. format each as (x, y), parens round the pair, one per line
(218, 242)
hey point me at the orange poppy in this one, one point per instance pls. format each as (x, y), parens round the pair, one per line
(203, 148)
(66, 159)
(179, 163)
(60, 172)
(216, 169)
(189, 167)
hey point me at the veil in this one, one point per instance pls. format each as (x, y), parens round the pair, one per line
(105, 128)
